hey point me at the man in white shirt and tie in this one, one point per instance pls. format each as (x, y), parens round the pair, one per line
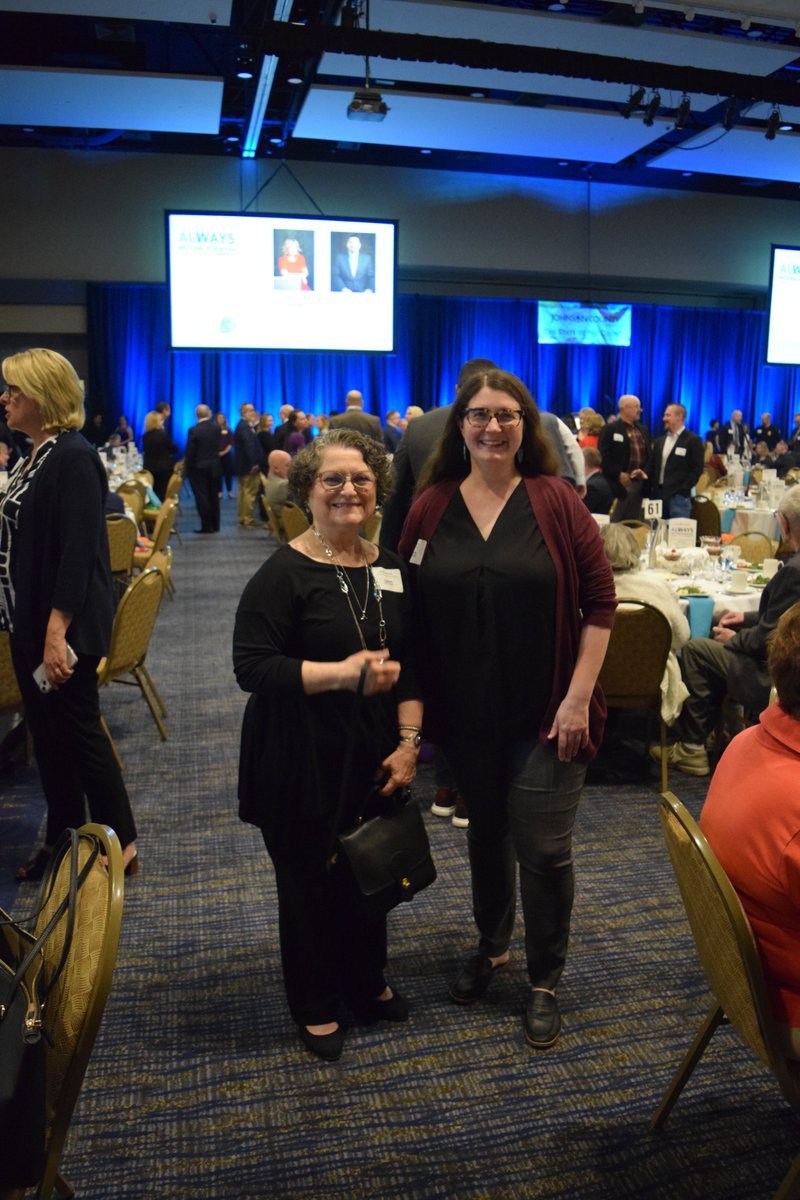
(675, 464)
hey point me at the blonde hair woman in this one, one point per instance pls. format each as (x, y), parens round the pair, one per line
(56, 598)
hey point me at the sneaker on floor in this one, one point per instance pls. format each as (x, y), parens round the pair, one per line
(690, 760)
(460, 818)
(444, 802)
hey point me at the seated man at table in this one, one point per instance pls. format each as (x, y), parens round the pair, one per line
(734, 660)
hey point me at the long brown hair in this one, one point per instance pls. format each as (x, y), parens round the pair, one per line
(536, 454)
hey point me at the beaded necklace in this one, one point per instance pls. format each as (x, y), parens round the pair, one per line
(347, 588)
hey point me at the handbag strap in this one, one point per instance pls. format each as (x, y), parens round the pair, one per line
(69, 841)
(344, 786)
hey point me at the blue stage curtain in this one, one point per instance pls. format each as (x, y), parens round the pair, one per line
(710, 360)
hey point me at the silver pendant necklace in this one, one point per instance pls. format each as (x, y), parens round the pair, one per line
(347, 588)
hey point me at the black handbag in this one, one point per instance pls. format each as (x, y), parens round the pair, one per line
(24, 989)
(387, 857)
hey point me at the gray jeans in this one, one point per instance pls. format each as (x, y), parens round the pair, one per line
(521, 802)
(704, 665)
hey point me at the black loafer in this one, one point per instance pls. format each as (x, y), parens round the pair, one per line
(473, 979)
(367, 1012)
(325, 1045)
(542, 1019)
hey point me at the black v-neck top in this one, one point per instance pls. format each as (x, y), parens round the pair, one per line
(488, 607)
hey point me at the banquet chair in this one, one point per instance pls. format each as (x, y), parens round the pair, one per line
(293, 520)
(172, 492)
(134, 502)
(130, 640)
(755, 546)
(640, 530)
(704, 482)
(274, 524)
(145, 476)
(121, 545)
(10, 695)
(635, 662)
(372, 527)
(731, 966)
(706, 513)
(76, 1004)
(161, 560)
(163, 528)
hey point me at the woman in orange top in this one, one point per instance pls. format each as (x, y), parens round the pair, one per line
(752, 821)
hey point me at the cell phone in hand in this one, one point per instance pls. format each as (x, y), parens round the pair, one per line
(40, 678)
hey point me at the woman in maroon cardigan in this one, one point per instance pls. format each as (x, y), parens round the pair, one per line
(751, 818)
(515, 602)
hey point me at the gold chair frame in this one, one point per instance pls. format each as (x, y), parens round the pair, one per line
(293, 521)
(75, 1007)
(273, 521)
(755, 546)
(163, 528)
(635, 661)
(639, 529)
(706, 513)
(130, 640)
(730, 962)
(121, 545)
(10, 696)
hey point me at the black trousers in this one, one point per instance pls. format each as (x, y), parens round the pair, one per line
(205, 486)
(74, 756)
(521, 803)
(330, 954)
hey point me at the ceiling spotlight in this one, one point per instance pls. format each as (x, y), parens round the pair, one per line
(638, 7)
(682, 115)
(651, 112)
(634, 101)
(245, 67)
(773, 124)
(367, 105)
(689, 15)
(745, 24)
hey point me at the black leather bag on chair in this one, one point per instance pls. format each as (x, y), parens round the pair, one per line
(388, 856)
(24, 989)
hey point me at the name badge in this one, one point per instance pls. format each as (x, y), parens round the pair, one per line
(619, 437)
(419, 552)
(388, 579)
(680, 451)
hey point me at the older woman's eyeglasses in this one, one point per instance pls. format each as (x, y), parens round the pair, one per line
(506, 418)
(334, 481)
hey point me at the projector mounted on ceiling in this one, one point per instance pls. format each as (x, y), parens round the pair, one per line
(367, 105)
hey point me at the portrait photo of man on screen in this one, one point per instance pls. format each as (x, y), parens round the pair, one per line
(353, 259)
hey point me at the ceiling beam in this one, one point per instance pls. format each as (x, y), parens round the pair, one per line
(311, 41)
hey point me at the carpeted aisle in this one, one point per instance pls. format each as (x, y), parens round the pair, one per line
(199, 1087)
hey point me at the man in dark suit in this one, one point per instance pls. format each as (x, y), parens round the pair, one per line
(353, 270)
(248, 456)
(734, 660)
(392, 431)
(203, 468)
(354, 417)
(599, 496)
(732, 436)
(675, 464)
(624, 448)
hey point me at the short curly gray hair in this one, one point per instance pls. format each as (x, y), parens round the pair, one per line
(305, 466)
(621, 547)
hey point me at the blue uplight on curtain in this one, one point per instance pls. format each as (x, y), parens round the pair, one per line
(710, 360)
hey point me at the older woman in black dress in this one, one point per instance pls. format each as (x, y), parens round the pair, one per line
(516, 602)
(56, 598)
(316, 614)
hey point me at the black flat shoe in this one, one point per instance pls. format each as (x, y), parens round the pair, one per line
(542, 1019)
(33, 871)
(325, 1045)
(132, 866)
(368, 1012)
(473, 979)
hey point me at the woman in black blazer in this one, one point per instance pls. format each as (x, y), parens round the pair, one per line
(56, 599)
(158, 452)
